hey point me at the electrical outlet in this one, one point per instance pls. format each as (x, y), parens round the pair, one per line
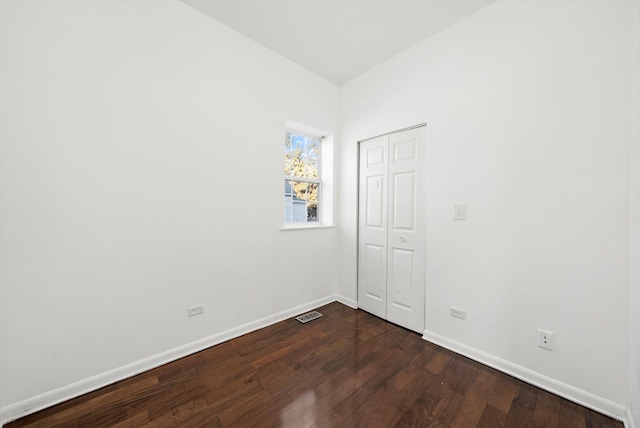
(546, 340)
(458, 313)
(195, 310)
(460, 212)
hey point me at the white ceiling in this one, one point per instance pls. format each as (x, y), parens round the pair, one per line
(338, 39)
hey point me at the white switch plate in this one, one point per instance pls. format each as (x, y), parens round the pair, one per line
(460, 212)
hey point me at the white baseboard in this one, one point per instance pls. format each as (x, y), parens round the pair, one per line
(554, 386)
(56, 396)
(628, 420)
(348, 302)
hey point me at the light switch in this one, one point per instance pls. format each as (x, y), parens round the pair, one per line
(459, 212)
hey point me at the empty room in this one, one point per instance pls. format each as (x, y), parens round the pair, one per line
(459, 228)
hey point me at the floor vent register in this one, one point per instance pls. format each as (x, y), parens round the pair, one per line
(309, 316)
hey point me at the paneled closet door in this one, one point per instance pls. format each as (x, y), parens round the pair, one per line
(372, 226)
(391, 259)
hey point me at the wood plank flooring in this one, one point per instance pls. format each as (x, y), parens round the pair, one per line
(346, 369)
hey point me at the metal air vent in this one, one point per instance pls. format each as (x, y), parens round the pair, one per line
(309, 316)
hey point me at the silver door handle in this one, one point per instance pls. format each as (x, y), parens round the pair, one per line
(402, 239)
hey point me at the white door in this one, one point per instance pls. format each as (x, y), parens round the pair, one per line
(372, 229)
(391, 258)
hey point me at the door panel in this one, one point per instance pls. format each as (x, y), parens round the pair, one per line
(374, 272)
(375, 201)
(405, 150)
(372, 229)
(376, 156)
(406, 237)
(404, 199)
(402, 269)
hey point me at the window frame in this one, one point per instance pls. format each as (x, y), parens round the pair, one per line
(324, 179)
(317, 180)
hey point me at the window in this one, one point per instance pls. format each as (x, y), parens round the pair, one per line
(302, 185)
(308, 177)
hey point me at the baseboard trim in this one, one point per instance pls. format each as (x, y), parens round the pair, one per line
(348, 302)
(628, 420)
(554, 386)
(51, 398)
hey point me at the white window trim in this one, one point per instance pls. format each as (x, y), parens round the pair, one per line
(325, 178)
(306, 226)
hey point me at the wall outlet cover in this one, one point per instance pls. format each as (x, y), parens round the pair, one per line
(195, 310)
(457, 313)
(546, 340)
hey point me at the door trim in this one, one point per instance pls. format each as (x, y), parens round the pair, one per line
(420, 125)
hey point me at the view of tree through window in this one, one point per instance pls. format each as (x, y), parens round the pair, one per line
(301, 180)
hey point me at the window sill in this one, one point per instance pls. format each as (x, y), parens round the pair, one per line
(306, 227)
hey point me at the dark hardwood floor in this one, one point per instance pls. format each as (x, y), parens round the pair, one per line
(346, 369)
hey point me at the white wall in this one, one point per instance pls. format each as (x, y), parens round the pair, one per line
(634, 336)
(528, 110)
(140, 145)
